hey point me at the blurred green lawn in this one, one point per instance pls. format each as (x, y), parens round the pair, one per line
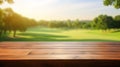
(53, 34)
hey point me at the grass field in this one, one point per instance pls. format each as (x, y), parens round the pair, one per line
(52, 34)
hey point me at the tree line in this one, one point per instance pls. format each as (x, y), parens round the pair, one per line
(70, 24)
(12, 22)
(102, 22)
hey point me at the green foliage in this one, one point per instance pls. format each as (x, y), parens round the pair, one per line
(103, 22)
(11, 21)
(69, 24)
(115, 3)
(117, 21)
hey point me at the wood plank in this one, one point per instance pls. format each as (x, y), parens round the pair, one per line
(58, 57)
(59, 50)
(73, 52)
(14, 52)
(57, 47)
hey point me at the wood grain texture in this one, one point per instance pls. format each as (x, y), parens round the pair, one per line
(59, 50)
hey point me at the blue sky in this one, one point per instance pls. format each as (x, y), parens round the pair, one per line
(62, 9)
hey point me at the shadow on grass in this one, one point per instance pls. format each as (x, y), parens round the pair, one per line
(54, 38)
(50, 37)
(58, 40)
(35, 37)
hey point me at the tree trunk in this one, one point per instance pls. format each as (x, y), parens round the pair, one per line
(14, 33)
(0, 33)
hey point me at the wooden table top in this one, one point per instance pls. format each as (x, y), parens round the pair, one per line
(59, 50)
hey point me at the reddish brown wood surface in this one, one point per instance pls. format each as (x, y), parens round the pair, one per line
(59, 50)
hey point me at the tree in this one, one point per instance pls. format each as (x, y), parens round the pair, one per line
(117, 20)
(103, 22)
(1, 21)
(115, 3)
(12, 21)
